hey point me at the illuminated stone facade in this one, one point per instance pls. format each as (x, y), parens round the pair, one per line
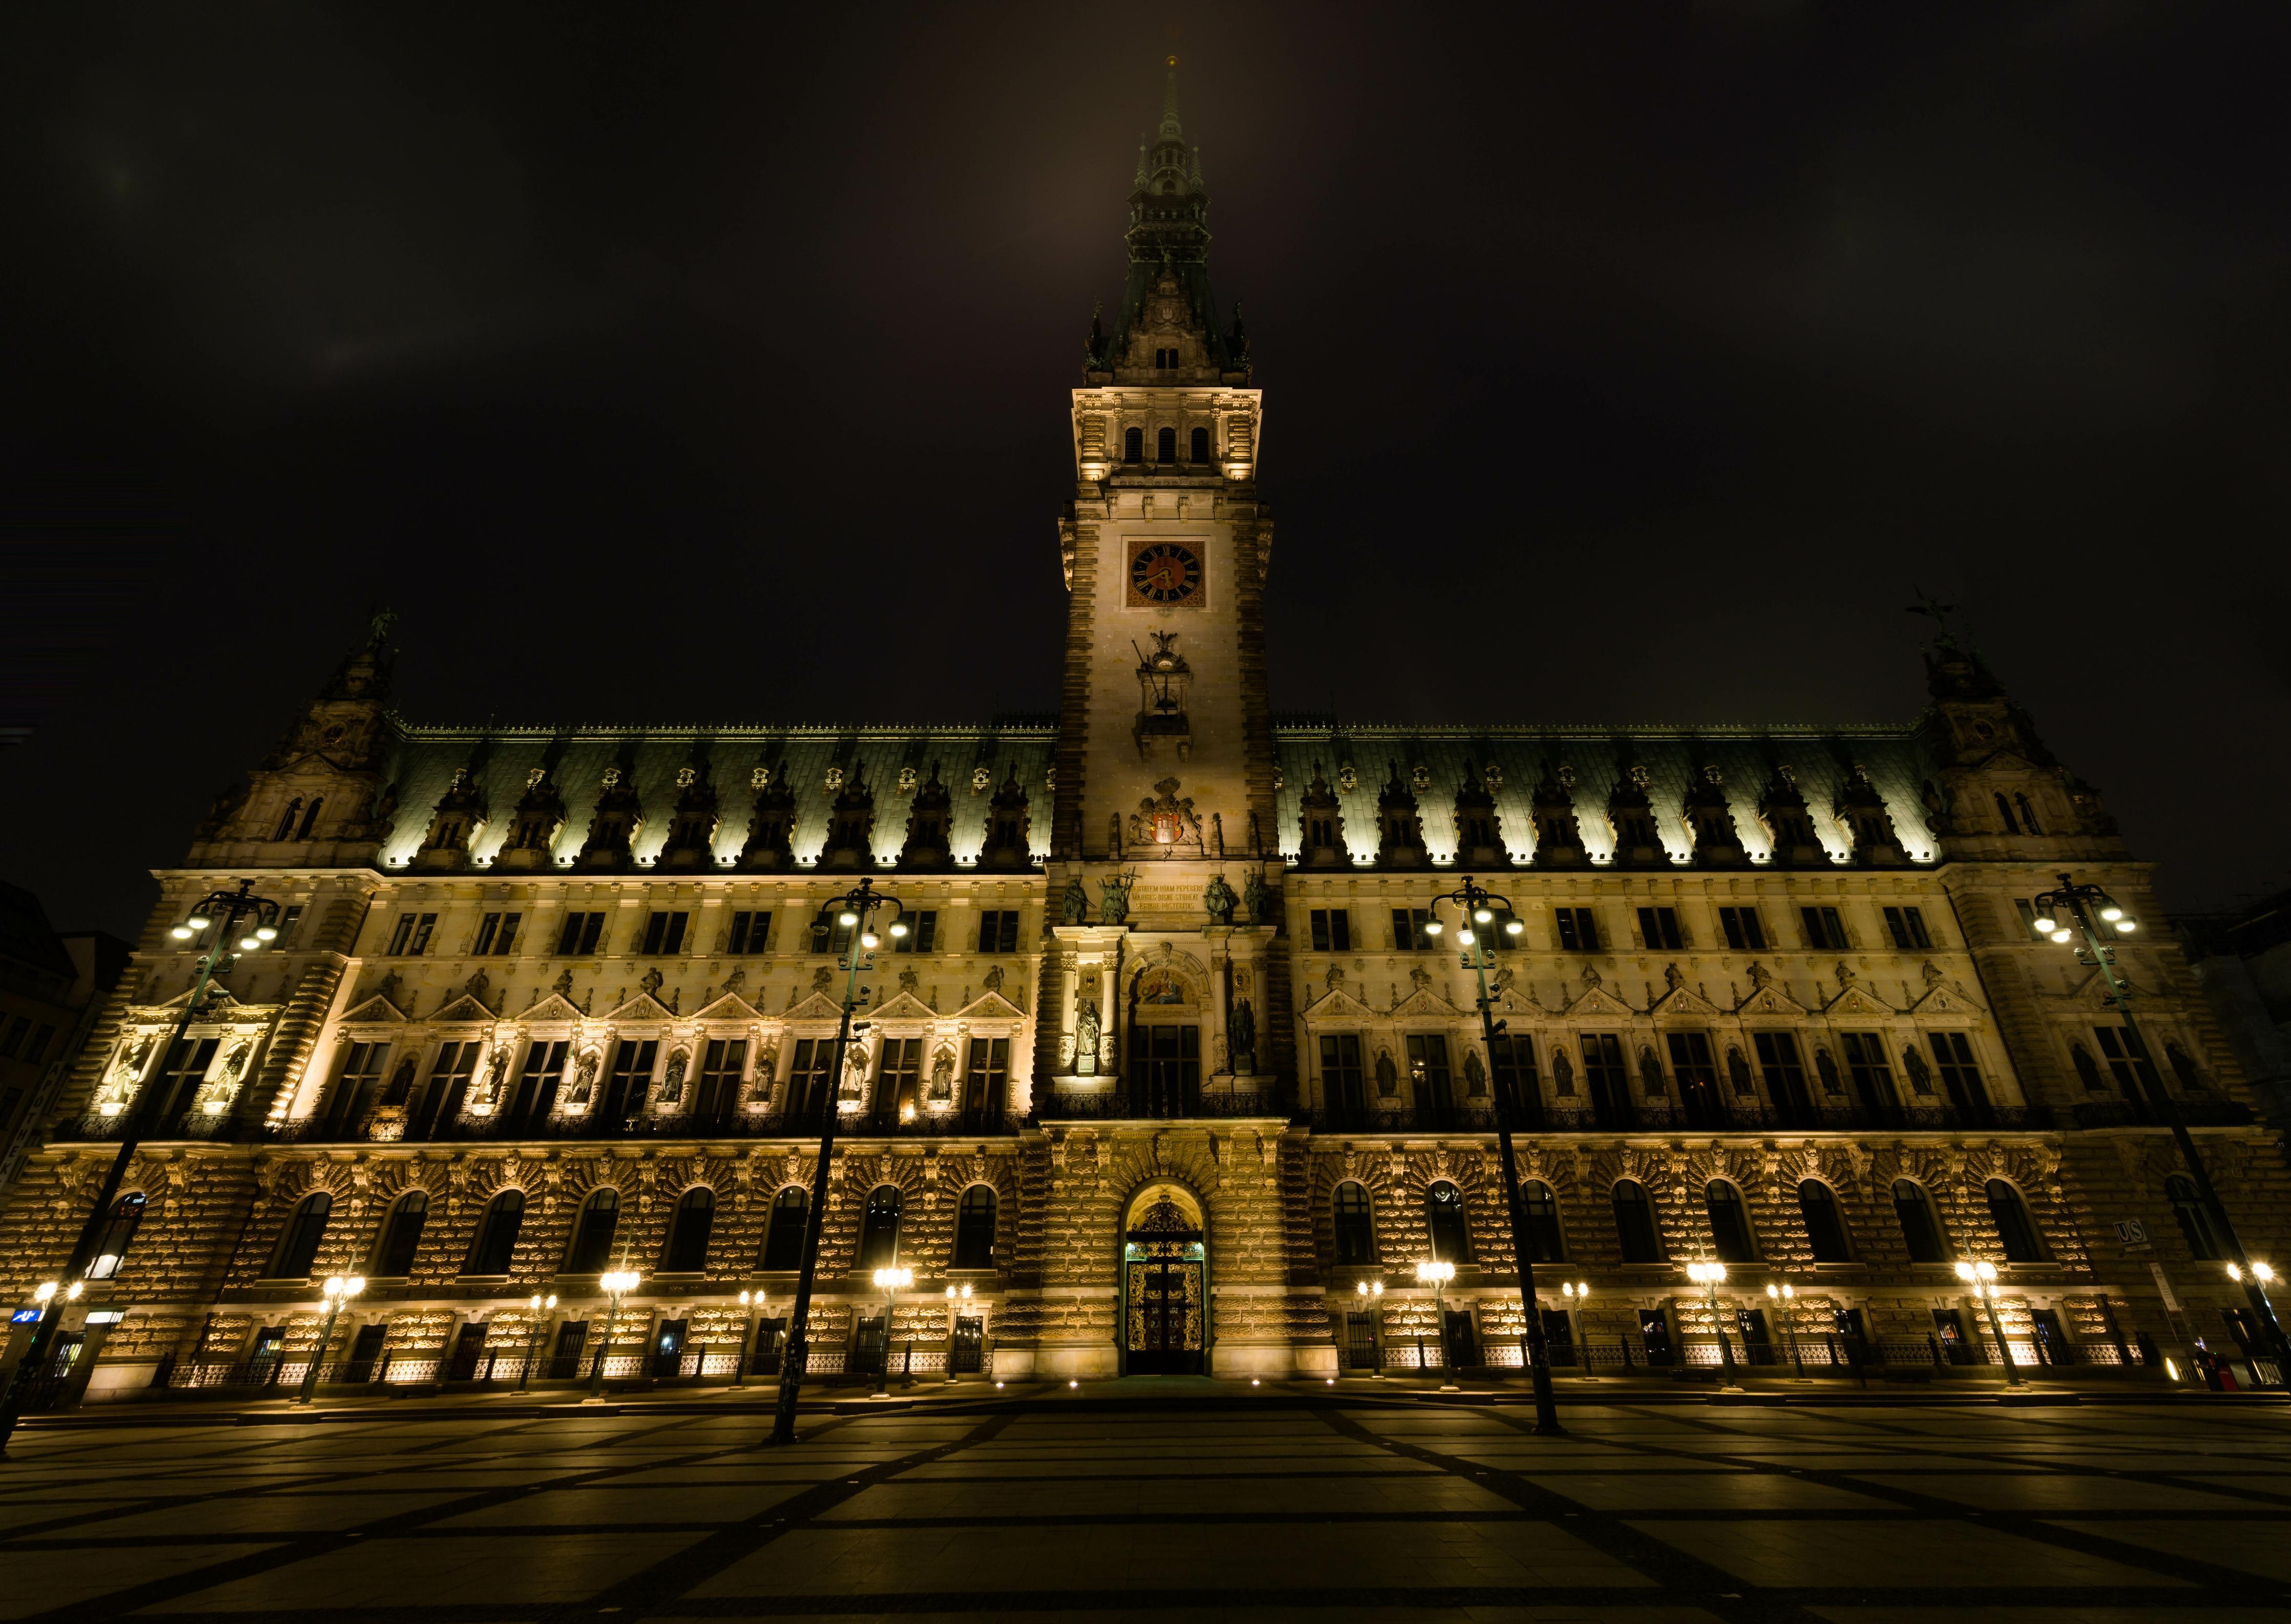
(1775, 996)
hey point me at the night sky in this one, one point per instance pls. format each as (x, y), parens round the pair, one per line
(664, 364)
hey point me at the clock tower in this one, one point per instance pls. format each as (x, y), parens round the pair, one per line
(1165, 740)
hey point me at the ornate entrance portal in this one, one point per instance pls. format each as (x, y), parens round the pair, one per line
(1164, 1286)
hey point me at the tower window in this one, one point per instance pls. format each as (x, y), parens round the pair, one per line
(1332, 930)
(998, 930)
(581, 933)
(1907, 926)
(1579, 929)
(1133, 445)
(1659, 927)
(1201, 445)
(1743, 928)
(1165, 446)
(1824, 928)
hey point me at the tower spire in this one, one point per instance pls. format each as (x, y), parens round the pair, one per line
(1170, 128)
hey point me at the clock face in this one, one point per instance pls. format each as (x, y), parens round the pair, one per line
(1163, 572)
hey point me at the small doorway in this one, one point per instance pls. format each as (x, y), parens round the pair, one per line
(1360, 1350)
(1654, 1331)
(1558, 1337)
(765, 1360)
(1460, 1344)
(565, 1359)
(668, 1348)
(1164, 1294)
(263, 1366)
(365, 1348)
(1758, 1346)
(1948, 1331)
(865, 1356)
(468, 1347)
(966, 1355)
(2051, 1339)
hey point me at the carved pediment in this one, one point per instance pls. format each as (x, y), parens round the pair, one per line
(376, 1008)
(1770, 1000)
(1423, 1001)
(905, 1006)
(1338, 1004)
(465, 1008)
(1596, 1002)
(1854, 1001)
(643, 1007)
(1683, 1000)
(731, 1006)
(1946, 1001)
(554, 1007)
(991, 1006)
(814, 1007)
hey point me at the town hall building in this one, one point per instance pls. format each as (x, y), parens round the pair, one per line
(1170, 1071)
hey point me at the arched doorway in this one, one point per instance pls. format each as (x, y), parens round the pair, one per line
(1164, 1286)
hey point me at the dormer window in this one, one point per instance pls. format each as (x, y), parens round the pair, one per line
(1133, 445)
(1201, 445)
(1165, 446)
(294, 809)
(1166, 360)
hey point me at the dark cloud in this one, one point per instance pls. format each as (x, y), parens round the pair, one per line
(1622, 362)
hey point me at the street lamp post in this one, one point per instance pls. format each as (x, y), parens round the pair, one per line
(1981, 1278)
(751, 1304)
(855, 912)
(955, 1298)
(1576, 1294)
(231, 908)
(1710, 1276)
(1372, 1295)
(1478, 908)
(1785, 1301)
(890, 1282)
(2261, 1276)
(339, 1289)
(616, 1285)
(1435, 1274)
(2067, 914)
(537, 1307)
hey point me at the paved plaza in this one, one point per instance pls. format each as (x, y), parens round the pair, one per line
(2164, 1514)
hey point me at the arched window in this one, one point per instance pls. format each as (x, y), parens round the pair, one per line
(1444, 1216)
(2195, 1221)
(298, 1247)
(2014, 1228)
(2004, 812)
(1730, 1223)
(1920, 1224)
(1165, 446)
(1539, 1208)
(1201, 445)
(878, 1235)
(118, 1235)
(1825, 1226)
(974, 1228)
(1355, 1226)
(592, 1252)
(1133, 445)
(285, 829)
(686, 1252)
(401, 1236)
(784, 1241)
(497, 1235)
(311, 819)
(1634, 1224)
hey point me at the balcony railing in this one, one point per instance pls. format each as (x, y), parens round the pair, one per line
(1118, 1106)
(1672, 1116)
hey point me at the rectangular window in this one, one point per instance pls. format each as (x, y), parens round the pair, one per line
(496, 935)
(287, 921)
(998, 930)
(360, 1081)
(15, 1039)
(1515, 1066)
(401, 933)
(1824, 928)
(814, 1070)
(985, 1085)
(901, 1079)
(37, 1049)
(1659, 927)
(424, 927)
(1960, 1074)
(1408, 932)
(1579, 929)
(750, 932)
(1866, 1062)
(665, 933)
(1428, 1066)
(922, 933)
(720, 1066)
(1332, 930)
(829, 936)
(1742, 928)
(2121, 1047)
(581, 934)
(1778, 1058)
(1907, 926)
(1344, 1082)
(1603, 1066)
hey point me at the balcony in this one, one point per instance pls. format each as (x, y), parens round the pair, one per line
(1122, 1106)
(1672, 1116)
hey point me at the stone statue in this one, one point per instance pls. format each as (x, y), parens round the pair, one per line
(855, 1071)
(909, 980)
(1388, 1074)
(671, 1089)
(1336, 978)
(1420, 977)
(736, 982)
(1650, 1072)
(1592, 978)
(1672, 977)
(563, 985)
(388, 986)
(584, 1079)
(1074, 904)
(649, 983)
(994, 978)
(1240, 1027)
(1738, 1071)
(821, 978)
(941, 1085)
(1920, 1074)
(1932, 973)
(1475, 1075)
(1759, 976)
(1828, 1068)
(1502, 981)
(1086, 1031)
(1255, 896)
(1845, 975)
(1219, 900)
(1563, 1073)
(478, 984)
(1112, 900)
